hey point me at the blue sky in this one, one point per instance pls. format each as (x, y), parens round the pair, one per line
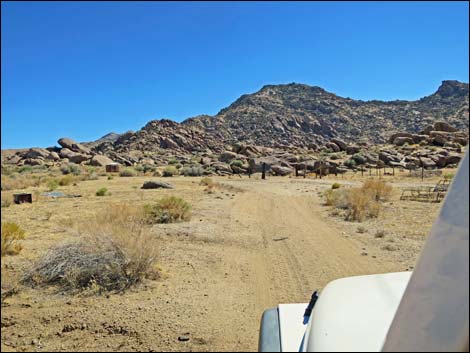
(83, 69)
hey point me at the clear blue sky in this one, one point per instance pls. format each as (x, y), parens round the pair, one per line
(83, 69)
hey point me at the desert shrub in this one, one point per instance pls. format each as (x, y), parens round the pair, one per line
(361, 204)
(350, 163)
(139, 168)
(169, 171)
(173, 161)
(168, 210)
(66, 180)
(52, 184)
(178, 166)
(110, 177)
(148, 168)
(25, 169)
(448, 176)
(102, 192)
(157, 173)
(126, 173)
(380, 190)
(11, 236)
(330, 197)
(92, 176)
(70, 168)
(192, 171)
(115, 251)
(206, 181)
(335, 186)
(6, 202)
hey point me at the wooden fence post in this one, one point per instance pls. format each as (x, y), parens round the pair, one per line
(263, 173)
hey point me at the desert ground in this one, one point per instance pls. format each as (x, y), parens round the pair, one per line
(250, 245)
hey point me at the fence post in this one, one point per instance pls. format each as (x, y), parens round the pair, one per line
(263, 173)
(305, 170)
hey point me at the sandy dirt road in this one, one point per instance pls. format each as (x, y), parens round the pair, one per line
(249, 246)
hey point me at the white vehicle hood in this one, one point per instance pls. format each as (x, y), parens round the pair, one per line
(354, 314)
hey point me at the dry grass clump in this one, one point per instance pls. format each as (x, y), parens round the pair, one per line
(380, 190)
(359, 203)
(127, 173)
(168, 210)
(115, 250)
(19, 181)
(11, 236)
(206, 182)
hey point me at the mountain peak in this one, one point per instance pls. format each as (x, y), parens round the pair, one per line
(452, 88)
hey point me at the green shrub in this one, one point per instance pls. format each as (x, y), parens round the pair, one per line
(335, 186)
(70, 168)
(448, 176)
(169, 171)
(173, 161)
(110, 177)
(52, 184)
(25, 169)
(350, 163)
(102, 192)
(126, 173)
(168, 210)
(192, 171)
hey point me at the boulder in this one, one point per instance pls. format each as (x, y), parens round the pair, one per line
(65, 152)
(401, 140)
(461, 141)
(427, 162)
(419, 138)
(453, 158)
(227, 156)
(72, 145)
(443, 126)
(427, 130)
(256, 164)
(37, 153)
(341, 144)
(99, 160)
(333, 146)
(78, 158)
(166, 142)
(352, 149)
(54, 156)
(280, 170)
(156, 185)
(400, 134)
(205, 161)
(222, 167)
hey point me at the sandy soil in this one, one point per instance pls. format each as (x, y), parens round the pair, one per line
(249, 246)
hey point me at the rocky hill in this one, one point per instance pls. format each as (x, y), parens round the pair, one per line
(296, 114)
(278, 120)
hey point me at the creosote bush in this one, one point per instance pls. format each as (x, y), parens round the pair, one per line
(126, 173)
(114, 251)
(102, 192)
(169, 171)
(168, 210)
(194, 170)
(11, 236)
(335, 186)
